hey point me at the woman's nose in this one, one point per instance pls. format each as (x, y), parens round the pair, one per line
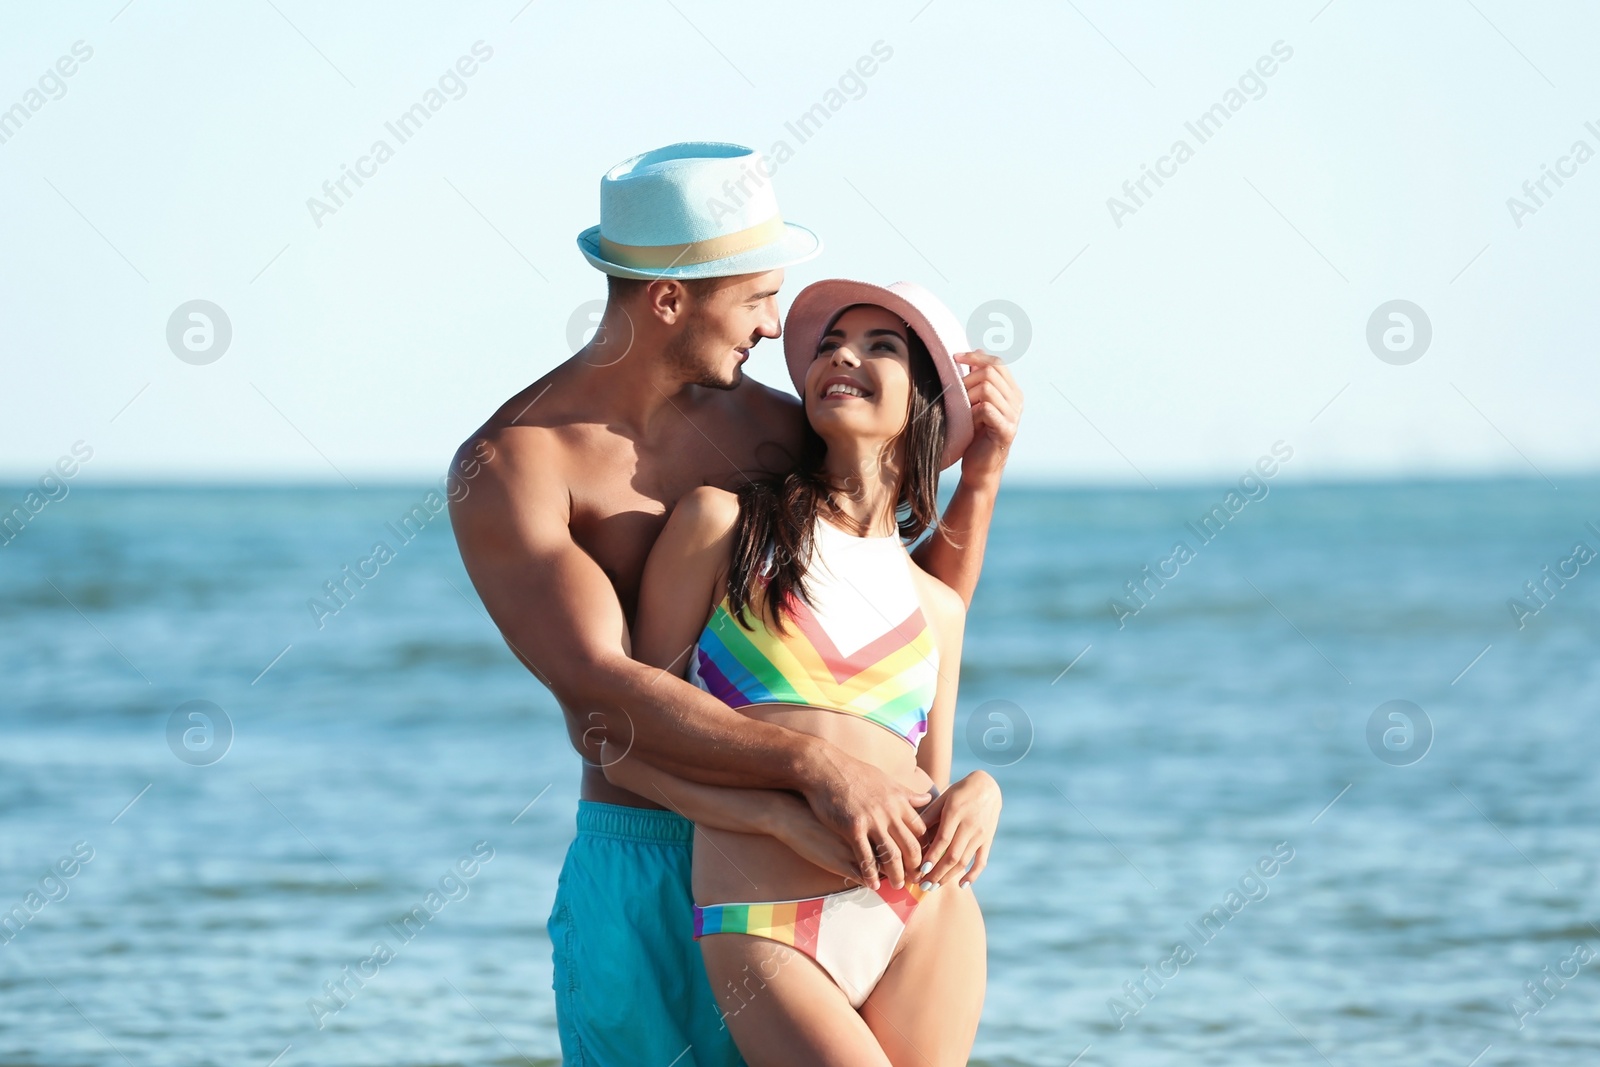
(845, 356)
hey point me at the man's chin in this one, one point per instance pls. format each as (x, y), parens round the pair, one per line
(733, 380)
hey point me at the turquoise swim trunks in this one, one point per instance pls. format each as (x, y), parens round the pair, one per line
(631, 988)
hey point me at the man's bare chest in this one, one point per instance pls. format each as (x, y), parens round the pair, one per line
(619, 507)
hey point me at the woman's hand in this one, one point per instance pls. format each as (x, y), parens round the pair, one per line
(963, 820)
(996, 411)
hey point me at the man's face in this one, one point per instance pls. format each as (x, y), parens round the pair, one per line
(723, 320)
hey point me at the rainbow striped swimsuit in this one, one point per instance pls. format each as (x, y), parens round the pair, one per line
(861, 647)
(851, 934)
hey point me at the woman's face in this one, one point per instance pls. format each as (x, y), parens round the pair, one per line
(859, 383)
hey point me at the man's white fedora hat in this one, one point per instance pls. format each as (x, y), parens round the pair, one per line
(699, 209)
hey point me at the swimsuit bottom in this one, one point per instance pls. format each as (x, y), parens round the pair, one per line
(851, 935)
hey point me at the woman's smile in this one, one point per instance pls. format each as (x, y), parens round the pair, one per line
(842, 387)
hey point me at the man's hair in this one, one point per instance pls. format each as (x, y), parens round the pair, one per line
(621, 289)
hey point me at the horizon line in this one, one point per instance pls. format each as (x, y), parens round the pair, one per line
(1015, 480)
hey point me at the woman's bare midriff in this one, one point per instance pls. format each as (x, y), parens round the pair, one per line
(731, 867)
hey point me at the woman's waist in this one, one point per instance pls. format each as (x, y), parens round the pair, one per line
(734, 867)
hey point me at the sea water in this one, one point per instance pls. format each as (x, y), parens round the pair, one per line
(1314, 789)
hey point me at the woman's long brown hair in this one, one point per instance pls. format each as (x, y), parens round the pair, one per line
(778, 515)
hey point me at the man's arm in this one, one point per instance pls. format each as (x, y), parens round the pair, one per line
(956, 556)
(559, 614)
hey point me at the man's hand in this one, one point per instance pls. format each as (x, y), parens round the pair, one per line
(996, 411)
(873, 814)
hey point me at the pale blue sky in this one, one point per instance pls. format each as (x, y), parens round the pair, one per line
(1223, 315)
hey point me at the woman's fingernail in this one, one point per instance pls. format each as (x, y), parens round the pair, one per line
(926, 867)
(927, 887)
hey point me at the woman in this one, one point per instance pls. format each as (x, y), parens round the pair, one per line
(799, 604)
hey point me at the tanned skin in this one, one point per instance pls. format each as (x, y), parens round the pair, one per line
(570, 483)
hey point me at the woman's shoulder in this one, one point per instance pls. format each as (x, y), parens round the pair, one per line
(692, 552)
(704, 513)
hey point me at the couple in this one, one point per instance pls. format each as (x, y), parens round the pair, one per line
(713, 580)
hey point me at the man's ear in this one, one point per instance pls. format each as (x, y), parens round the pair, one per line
(666, 299)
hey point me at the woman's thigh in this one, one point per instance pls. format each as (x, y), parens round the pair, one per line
(782, 1008)
(925, 1009)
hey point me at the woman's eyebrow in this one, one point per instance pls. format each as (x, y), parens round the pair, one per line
(896, 334)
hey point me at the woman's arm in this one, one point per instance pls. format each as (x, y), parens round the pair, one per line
(955, 557)
(683, 578)
(964, 817)
(744, 811)
(771, 812)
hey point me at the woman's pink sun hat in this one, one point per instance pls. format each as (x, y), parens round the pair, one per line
(819, 304)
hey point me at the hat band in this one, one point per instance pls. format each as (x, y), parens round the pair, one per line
(661, 257)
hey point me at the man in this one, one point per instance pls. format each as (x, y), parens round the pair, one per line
(582, 469)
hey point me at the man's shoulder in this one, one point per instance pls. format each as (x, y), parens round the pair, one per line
(512, 458)
(763, 413)
(527, 425)
(504, 446)
(764, 400)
